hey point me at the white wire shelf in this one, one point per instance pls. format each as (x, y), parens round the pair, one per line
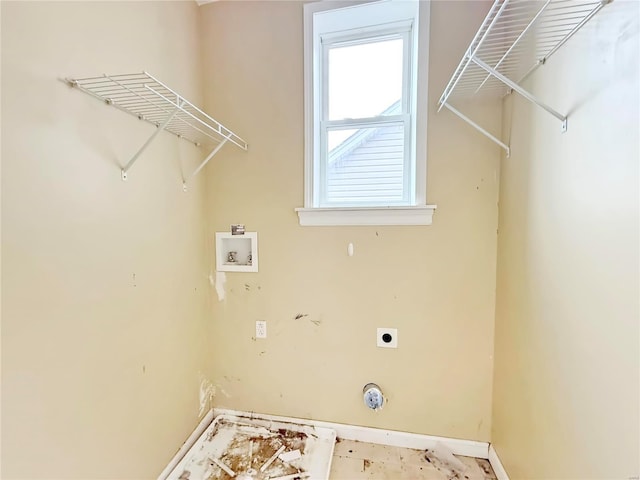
(148, 99)
(515, 38)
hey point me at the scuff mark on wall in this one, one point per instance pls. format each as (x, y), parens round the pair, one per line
(220, 280)
(300, 316)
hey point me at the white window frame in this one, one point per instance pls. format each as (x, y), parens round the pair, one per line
(324, 29)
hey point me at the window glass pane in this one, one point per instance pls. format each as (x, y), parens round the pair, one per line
(365, 165)
(365, 80)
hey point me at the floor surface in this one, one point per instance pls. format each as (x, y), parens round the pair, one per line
(357, 460)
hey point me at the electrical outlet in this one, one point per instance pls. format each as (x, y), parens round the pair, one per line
(261, 329)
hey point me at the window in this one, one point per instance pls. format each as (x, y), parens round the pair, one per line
(364, 162)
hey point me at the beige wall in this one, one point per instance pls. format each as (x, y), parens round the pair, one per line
(435, 284)
(566, 392)
(99, 369)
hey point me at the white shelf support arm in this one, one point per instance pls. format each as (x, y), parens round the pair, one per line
(205, 161)
(479, 128)
(148, 142)
(513, 85)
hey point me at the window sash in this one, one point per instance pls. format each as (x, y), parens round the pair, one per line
(323, 125)
(375, 122)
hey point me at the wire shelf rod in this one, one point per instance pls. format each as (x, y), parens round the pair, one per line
(524, 32)
(562, 15)
(508, 25)
(87, 80)
(505, 24)
(190, 105)
(186, 131)
(466, 59)
(148, 99)
(117, 106)
(126, 168)
(498, 49)
(219, 126)
(558, 21)
(139, 96)
(183, 130)
(546, 30)
(515, 36)
(506, 39)
(584, 7)
(507, 33)
(578, 27)
(237, 140)
(108, 82)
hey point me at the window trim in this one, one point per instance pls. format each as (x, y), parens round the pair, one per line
(418, 213)
(414, 215)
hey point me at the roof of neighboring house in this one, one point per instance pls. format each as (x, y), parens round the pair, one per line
(360, 136)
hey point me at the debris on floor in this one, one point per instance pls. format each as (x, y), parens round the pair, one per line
(445, 461)
(353, 460)
(254, 449)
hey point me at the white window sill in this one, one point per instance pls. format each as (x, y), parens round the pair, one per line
(418, 215)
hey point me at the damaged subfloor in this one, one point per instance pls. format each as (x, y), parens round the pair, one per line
(358, 460)
(255, 449)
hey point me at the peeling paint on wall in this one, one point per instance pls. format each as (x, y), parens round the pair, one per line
(207, 393)
(221, 279)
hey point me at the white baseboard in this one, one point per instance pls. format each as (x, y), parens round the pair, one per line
(202, 426)
(496, 464)
(467, 448)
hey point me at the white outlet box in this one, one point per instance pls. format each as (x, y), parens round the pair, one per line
(261, 329)
(387, 338)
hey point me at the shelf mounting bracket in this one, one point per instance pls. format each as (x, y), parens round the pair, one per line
(514, 86)
(479, 128)
(159, 129)
(205, 161)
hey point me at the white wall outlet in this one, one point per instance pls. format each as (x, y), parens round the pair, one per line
(387, 338)
(261, 329)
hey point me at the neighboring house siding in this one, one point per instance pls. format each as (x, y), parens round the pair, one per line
(370, 166)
